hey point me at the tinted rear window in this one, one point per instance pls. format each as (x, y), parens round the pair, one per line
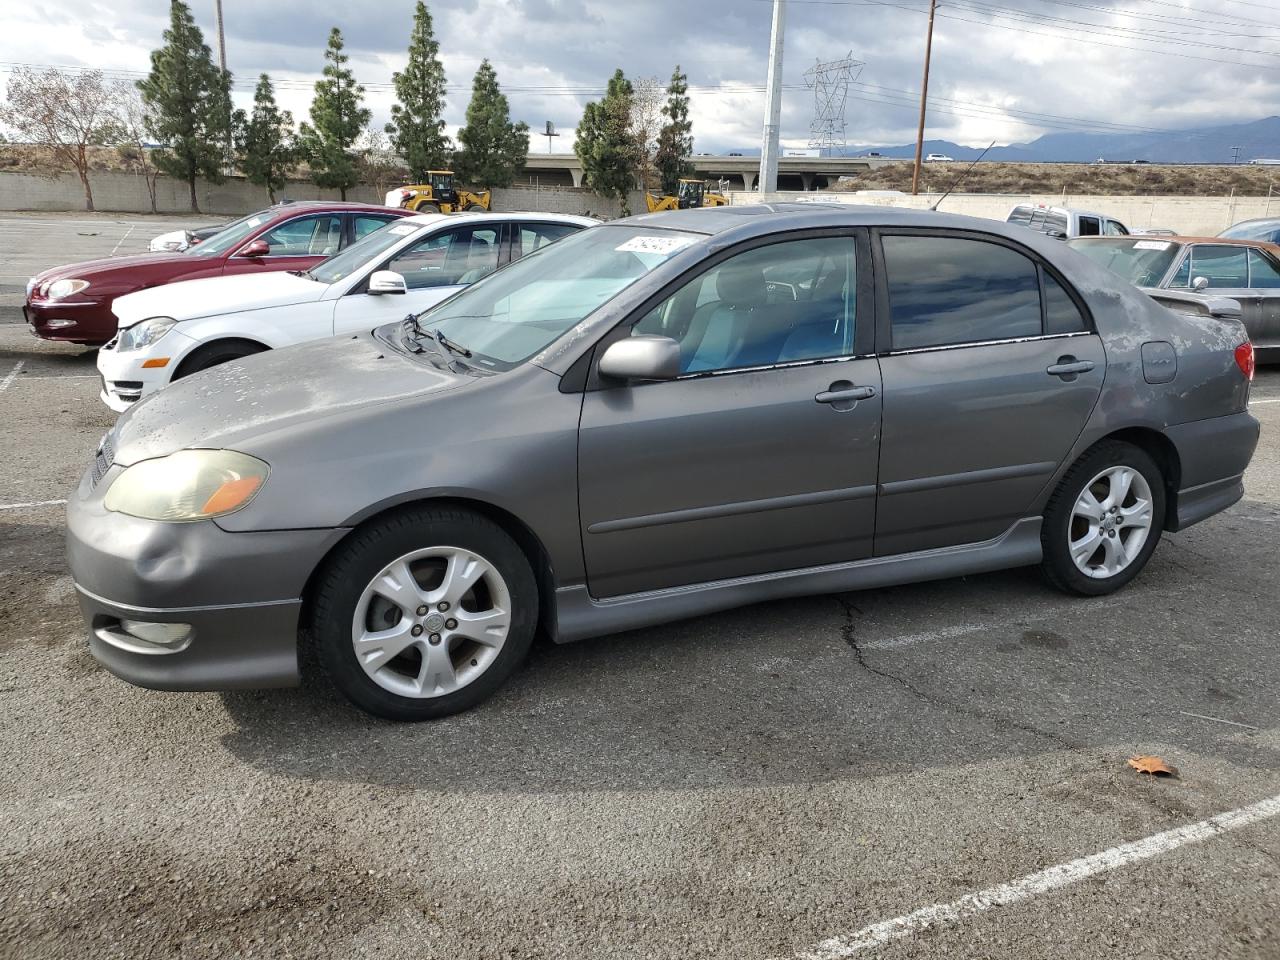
(951, 290)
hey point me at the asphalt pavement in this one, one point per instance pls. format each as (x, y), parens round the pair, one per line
(934, 770)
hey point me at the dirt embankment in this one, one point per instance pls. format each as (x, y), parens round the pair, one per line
(1076, 178)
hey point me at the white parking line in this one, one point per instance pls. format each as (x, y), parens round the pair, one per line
(70, 376)
(1265, 400)
(1044, 881)
(33, 503)
(120, 241)
(17, 369)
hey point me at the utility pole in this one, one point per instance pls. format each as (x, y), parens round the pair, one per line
(773, 104)
(924, 99)
(228, 160)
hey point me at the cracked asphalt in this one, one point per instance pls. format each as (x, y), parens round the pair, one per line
(742, 786)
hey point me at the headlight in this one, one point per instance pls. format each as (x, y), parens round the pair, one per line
(144, 334)
(187, 485)
(61, 289)
(31, 285)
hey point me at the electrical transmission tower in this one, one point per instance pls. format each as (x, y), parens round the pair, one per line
(829, 82)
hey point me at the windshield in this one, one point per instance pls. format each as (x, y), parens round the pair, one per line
(1142, 262)
(230, 236)
(343, 264)
(1253, 230)
(512, 314)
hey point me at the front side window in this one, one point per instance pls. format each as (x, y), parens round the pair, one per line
(953, 290)
(318, 236)
(1263, 272)
(1115, 228)
(1223, 266)
(451, 257)
(781, 303)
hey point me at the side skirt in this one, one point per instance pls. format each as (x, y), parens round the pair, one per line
(580, 616)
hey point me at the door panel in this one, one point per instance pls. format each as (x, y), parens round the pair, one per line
(972, 434)
(719, 476)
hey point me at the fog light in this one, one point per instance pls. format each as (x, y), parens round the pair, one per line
(161, 634)
(58, 324)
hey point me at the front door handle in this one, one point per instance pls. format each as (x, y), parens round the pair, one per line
(840, 393)
(1068, 368)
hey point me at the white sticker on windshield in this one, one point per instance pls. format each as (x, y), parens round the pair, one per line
(1151, 245)
(662, 244)
(402, 230)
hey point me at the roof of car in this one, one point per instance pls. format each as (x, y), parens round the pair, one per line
(519, 216)
(1272, 248)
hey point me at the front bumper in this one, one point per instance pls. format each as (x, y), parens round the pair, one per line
(124, 379)
(89, 322)
(240, 593)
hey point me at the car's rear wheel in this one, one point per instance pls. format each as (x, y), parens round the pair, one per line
(425, 613)
(212, 354)
(1103, 522)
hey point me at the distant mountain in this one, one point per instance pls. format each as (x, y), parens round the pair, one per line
(1260, 138)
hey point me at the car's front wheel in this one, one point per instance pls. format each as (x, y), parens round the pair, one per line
(425, 613)
(1103, 522)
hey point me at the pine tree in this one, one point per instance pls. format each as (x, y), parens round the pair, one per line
(188, 103)
(338, 118)
(265, 140)
(675, 140)
(605, 144)
(494, 149)
(416, 128)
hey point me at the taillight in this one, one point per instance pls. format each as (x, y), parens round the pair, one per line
(1245, 360)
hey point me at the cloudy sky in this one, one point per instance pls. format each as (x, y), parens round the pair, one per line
(1007, 70)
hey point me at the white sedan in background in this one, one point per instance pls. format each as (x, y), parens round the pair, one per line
(177, 329)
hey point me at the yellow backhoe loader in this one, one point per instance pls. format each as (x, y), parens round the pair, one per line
(438, 195)
(689, 193)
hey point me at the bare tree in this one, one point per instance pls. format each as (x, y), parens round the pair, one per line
(131, 115)
(66, 112)
(377, 162)
(648, 96)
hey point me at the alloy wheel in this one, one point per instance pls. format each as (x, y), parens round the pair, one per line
(431, 622)
(1110, 522)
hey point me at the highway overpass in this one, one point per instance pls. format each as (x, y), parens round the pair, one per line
(794, 173)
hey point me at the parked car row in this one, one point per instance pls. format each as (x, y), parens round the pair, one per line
(628, 424)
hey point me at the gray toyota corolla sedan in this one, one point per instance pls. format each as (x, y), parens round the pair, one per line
(656, 418)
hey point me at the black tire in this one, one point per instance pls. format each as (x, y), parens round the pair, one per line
(1057, 565)
(363, 556)
(212, 354)
(427, 208)
(475, 206)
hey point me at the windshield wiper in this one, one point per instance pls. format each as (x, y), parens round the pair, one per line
(450, 345)
(305, 274)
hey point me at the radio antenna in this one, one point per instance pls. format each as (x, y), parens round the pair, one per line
(960, 179)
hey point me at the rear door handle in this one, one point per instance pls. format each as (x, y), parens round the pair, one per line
(846, 394)
(1069, 367)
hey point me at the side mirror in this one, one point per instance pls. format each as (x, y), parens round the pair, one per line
(1200, 283)
(386, 281)
(1056, 234)
(255, 248)
(642, 358)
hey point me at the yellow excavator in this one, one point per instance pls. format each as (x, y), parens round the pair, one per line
(689, 193)
(438, 195)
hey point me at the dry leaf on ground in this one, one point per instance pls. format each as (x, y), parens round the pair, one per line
(1153, 765)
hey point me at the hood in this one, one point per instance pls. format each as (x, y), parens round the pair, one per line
(192, 299)
(87, 269)
(237, 404)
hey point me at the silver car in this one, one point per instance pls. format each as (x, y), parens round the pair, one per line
(656, 418)
(1247, 271)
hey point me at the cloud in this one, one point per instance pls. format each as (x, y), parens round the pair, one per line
(1002, 69)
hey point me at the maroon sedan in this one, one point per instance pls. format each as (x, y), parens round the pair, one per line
(73, 303)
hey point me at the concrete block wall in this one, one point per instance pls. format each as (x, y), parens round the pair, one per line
(1191, 216)
(127, 193)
